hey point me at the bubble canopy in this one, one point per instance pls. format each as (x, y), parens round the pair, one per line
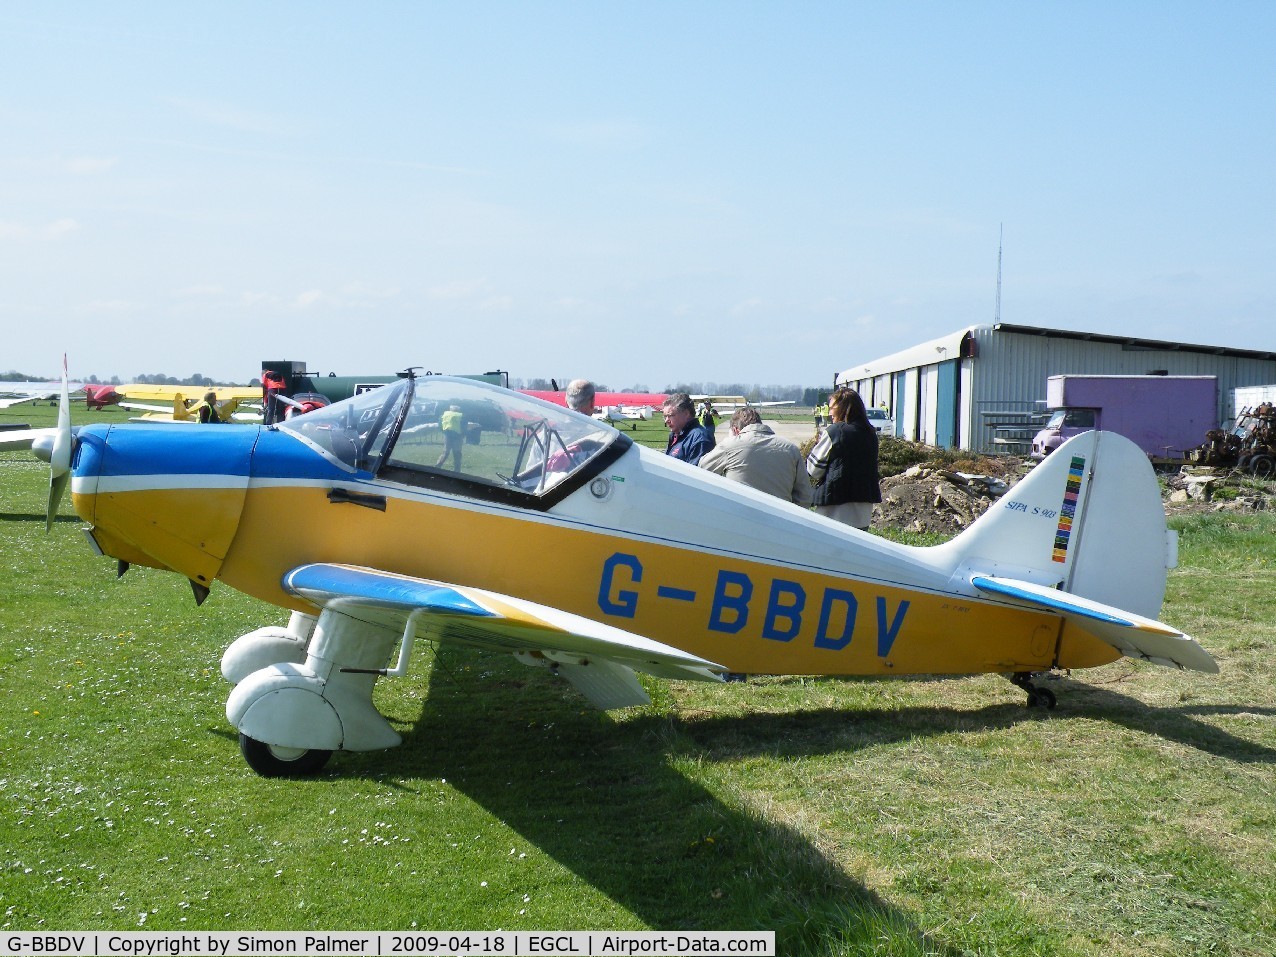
(465, 437)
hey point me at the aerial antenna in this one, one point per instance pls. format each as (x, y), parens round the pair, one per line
(1001, 228)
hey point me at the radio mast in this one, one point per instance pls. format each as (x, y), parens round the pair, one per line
(1001, 228)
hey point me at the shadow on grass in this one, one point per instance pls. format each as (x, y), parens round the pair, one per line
(606, 800)
(1177, 724)
(825, 731)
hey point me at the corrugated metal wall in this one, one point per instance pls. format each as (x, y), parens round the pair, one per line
(998, 395)
(1011, 370)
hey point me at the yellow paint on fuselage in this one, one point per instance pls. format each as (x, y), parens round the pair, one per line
(185, 530)
(748, 615)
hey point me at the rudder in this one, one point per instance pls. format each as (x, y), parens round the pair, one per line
(1088, 519)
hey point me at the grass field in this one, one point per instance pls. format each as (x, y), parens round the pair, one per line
(853, 817)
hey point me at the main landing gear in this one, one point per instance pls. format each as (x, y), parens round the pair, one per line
(273, 761)
(1037, 697)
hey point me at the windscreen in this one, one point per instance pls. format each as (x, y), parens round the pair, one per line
(356, 430)
(490, 435)
(459, 429)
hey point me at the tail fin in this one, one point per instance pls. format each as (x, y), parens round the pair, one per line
(1087, 521)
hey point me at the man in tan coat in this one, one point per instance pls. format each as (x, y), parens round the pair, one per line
(759, 458)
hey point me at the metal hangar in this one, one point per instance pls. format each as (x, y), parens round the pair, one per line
(982, 388)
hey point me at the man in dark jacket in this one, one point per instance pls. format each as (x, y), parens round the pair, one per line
(688, 439)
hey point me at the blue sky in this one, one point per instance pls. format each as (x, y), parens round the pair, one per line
(642, 193)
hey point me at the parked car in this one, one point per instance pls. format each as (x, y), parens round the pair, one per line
(881, 421)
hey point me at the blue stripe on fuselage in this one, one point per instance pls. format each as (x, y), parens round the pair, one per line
(139, 449)
(281, 455)
(230, 450)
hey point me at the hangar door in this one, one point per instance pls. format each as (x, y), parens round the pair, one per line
(948, 387)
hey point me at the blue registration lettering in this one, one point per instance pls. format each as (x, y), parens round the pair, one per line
(835, 599)
(623, 603)
(780, 610)
(730, 596)
(886, 633)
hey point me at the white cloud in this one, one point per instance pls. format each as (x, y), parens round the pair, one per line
(361, 290)
(250, 298)
(459, 289)
(85, 165)
(111, 306)
(610, 135)
(227, 115)
(200, 291)
(50, 231)
(59, 228)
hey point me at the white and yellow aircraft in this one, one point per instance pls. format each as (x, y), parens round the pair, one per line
(622, 413)
(182, 402)
(566, 545)
(730, 403)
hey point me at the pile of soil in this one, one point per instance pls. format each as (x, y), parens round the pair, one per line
(939, 496)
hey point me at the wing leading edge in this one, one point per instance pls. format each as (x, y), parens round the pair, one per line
(1132, 635)
(598, 659)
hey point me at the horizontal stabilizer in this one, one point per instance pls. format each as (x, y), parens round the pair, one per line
(1132, 635)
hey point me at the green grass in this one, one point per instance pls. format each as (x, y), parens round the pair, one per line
(854, 817)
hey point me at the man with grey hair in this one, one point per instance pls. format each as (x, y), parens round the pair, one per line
(580, 396)
(688, 439)
(759, 458)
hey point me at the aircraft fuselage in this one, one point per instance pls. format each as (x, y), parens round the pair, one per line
(648, 545)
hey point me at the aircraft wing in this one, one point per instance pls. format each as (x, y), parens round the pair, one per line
(1132, 635)
(165, 410)
(15, 393)
(15, 440)
(9, 400)
(166, 393)
(170, 413)
(600, 660)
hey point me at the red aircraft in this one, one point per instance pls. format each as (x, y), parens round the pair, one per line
(653, 399)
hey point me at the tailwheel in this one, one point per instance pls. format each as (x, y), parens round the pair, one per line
(1037, 697)
(274, 761)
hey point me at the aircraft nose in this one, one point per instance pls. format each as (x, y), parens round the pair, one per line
(167, 496)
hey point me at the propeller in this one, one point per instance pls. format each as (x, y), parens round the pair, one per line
(58, 452)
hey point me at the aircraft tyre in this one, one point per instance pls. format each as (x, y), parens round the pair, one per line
(1038, 697)
(274, 761)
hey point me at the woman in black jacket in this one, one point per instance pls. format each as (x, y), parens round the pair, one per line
(843, 463)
